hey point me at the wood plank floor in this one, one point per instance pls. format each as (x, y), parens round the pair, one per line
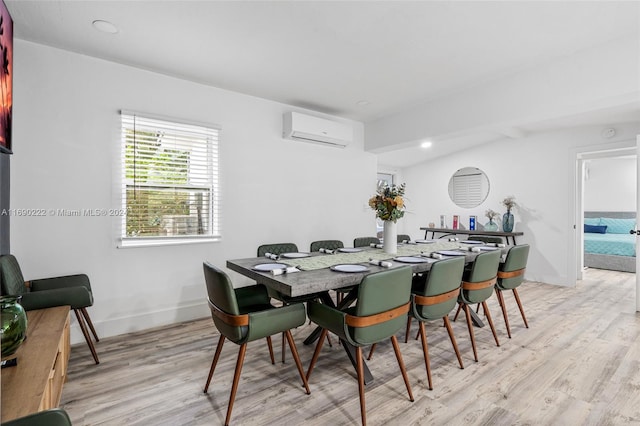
(577, 364)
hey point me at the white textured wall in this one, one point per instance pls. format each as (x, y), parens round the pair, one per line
(537, 171)
(66, 138)
(611, 185)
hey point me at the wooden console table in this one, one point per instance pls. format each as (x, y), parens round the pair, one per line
(449, 231)
(35, 384)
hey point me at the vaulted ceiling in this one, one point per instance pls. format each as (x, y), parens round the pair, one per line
(360, 60)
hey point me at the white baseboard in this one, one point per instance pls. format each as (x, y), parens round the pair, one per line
(129, 324)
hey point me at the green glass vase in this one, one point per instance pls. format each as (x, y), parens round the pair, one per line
(490, 226)
(14, 324)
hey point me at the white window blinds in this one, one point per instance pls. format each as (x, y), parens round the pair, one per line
(170, 179)
(467, 189)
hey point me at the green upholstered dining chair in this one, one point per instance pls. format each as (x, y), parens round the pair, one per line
(243, 315)
(365, 241)
(434, 296)
(380, 311)
(72, 290)
(486, 239)
(510, 276)
(403, 237)
(52, 417)
(477, 286)
(326, 244)
(277, 248)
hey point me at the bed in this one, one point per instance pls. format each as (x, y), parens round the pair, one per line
(607, 242)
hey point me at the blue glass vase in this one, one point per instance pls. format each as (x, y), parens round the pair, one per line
(507, 222)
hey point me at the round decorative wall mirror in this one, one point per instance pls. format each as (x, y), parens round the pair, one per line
(468, 187)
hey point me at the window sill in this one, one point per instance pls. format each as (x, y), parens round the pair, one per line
(124, 243)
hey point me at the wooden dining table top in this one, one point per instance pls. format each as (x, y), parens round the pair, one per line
(311, 281)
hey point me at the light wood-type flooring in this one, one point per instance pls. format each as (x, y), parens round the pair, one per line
(577, 364)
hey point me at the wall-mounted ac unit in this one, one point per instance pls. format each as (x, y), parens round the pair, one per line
(318, 130)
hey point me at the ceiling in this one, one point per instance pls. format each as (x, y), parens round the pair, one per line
(355, 59)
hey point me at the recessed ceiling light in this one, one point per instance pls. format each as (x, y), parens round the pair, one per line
(363, 103)
(105, 26)
(426, 144)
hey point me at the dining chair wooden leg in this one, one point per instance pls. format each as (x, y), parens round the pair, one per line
(360, 371)
(373, 347)
(316, 353)
(457, 312)
(504, 311)
(296, 358)
(87, 318)
(515, 294)
(477, 308)
(282, 349)
(470, 327)
(396, 349)
(425, 350)
(406, 335)
(453, 340)
(270, 344)
(85, 333)
(490, 320)
(236, 379)
(214, 362)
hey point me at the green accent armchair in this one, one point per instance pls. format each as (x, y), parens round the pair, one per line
(72, 290)
(380, 311)
(52, 417)
(510, 276)
(244, 315)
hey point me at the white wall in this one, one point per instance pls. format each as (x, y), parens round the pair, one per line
(611, 184)
(66, 138)
(536, 170)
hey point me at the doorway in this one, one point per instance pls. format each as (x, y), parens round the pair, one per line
(606, 182)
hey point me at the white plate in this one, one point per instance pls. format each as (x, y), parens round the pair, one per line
(349, 268)
(450, 253)
(294, 255)
(424, 241)
(471, 242)
(268, 267)
(488, 248)
(350, 250)
(410, 259)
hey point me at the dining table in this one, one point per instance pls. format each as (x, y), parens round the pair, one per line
(318, 273)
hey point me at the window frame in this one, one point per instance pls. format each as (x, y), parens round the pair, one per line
(213, 186)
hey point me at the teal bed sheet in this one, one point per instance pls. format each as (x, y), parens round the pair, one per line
(611, 244)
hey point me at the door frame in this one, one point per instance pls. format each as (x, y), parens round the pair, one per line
(578, 156)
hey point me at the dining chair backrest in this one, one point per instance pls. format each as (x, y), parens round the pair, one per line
(277, 248)
(444, 278)
(483, 270)
(511, 272)
(326, 244)
(222, 300)
(486, 239)
(11, 276)
(403, 237)
(365, 241)
(382, 292)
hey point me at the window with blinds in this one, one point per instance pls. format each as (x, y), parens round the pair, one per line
(170, 179)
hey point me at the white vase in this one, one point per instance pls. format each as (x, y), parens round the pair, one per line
(390, 236)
